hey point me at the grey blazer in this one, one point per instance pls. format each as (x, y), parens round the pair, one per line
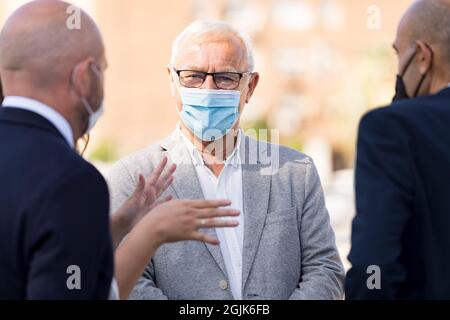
(289, 246)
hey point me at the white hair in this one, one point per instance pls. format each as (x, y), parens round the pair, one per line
(202, 27)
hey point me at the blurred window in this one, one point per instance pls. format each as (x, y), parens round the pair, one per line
(288, 114)
(249, 15)
(291, 61)
(294, 15)
(331, 15)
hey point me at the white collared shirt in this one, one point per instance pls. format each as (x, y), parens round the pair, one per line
(227, 186)
(61, 124)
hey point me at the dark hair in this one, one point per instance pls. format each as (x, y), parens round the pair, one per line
(82, 144)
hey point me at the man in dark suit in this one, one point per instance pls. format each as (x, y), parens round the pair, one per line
(55, 241)
(400, 238)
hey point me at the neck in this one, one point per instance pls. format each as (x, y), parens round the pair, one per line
(220, 148)
(76, 120)
(439, 84)
(216, 152)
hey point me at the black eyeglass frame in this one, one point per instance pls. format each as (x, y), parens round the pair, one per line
(213, 74)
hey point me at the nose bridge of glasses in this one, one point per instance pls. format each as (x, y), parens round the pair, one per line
(209, 82)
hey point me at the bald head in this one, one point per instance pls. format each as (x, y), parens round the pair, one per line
(52, 52)
(37, 41)
(428, 21)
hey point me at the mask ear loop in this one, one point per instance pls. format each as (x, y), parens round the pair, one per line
(85, 139)
(83, 99)
(425, 74)
(408, 63)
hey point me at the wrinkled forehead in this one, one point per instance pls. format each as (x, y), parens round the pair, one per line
(212, 53)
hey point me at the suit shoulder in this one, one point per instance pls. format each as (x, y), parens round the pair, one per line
(81, 166)
(89, 169)
(85, 174)
(377, 114)
(398, 115)
(138, 162)
(292, 155)
(393, 125)
(64, 162)
(141, 156)
(80, 187)
(284, 154)
(403, 111)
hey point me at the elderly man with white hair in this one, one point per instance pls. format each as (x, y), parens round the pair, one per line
(283, 247)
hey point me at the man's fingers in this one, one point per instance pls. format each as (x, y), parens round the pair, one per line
(162, 185)
(167, 183)
(171, 170)
(154, 176)
(141, 184)
(198, 236)
(215, 213)
(217, 223)
(202, 204)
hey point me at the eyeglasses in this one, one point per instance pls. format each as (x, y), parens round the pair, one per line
(223, 80)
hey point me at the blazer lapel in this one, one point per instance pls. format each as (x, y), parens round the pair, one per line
(186, 184)
(256, 179)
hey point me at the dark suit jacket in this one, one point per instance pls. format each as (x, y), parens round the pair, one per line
(54, 213)
(403, 201)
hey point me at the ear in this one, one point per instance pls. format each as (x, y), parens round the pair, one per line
(172, 83)
(425, 56)
(81, 78)
(252, 86)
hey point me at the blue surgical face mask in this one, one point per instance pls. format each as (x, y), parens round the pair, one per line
(209, 114)
(94, 116)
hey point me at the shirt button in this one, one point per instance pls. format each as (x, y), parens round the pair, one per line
(223, 285)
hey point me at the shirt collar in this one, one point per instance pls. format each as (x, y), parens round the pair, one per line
(233, 159)
(43, 110)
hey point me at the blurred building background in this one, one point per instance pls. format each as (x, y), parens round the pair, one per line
(323, 63)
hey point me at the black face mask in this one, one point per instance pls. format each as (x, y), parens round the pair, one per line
(400, 88)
